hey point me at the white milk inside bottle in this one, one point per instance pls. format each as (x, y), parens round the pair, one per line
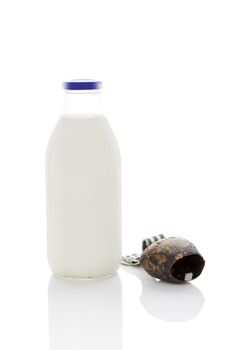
(83, 182)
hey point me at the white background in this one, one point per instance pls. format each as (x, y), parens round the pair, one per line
(167, 68)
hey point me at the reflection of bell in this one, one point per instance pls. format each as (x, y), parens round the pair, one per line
(173, 302)
(172, 259)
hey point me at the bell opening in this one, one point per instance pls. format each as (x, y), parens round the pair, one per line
(188, 267)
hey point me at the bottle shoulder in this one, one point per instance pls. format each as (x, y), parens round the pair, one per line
(81, 116)
(92, 130)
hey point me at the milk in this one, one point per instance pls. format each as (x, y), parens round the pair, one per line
(83, 179)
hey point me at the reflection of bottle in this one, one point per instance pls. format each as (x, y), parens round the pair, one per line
(85, 316)
(83, 188)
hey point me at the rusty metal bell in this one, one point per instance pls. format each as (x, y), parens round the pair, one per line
(172, 259)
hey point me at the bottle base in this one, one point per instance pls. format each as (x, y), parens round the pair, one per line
(84, 279)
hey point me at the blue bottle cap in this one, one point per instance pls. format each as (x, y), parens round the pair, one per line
(82, 85)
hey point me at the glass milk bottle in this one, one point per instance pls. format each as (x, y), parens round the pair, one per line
(83, 182)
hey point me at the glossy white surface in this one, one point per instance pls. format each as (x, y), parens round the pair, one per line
(128, 310)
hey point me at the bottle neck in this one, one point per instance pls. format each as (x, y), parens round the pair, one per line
(82, 102)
